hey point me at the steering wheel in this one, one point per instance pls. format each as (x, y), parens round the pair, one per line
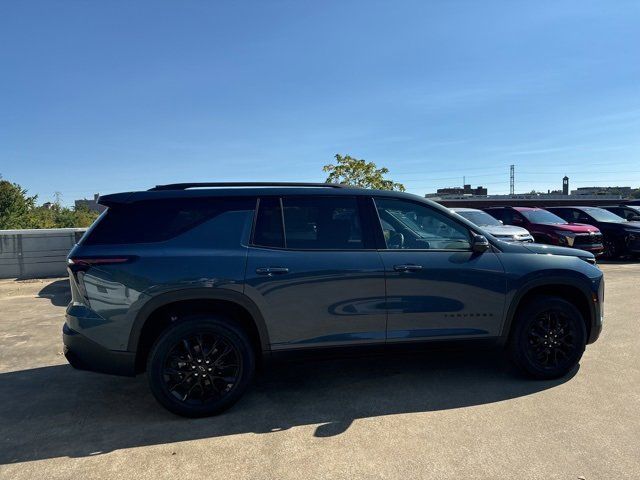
(396, 241)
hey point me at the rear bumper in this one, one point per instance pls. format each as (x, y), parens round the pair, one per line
(85, 354)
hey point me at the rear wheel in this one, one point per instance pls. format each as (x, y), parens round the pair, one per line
(200, 366)
(548, 338)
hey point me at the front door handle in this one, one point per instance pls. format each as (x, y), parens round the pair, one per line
(272, 271)
(409, 267)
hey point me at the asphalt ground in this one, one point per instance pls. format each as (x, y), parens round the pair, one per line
(447, 414)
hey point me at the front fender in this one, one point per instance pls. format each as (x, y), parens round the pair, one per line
(589, 288)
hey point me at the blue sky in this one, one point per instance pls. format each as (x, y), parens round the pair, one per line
(114, 96)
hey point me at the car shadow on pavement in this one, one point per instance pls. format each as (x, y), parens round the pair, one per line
(58, 292)
(57, 411)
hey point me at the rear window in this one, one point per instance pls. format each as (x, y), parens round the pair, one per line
(152, 221)
(309, 223)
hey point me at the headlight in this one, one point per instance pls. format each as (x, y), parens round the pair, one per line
(590, 260)
(566, 237)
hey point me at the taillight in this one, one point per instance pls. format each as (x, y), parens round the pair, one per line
(97, 260)
(77, 264)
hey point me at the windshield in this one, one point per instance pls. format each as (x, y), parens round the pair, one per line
(602, 215)
(542, 216)
(481, 219)
(635, 207)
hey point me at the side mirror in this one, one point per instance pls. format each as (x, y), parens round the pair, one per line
(501, 222)
(479, 244)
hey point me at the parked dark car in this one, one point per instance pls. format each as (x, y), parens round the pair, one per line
(196, 286)
(628, 212)
(551, 229)
(621, 237)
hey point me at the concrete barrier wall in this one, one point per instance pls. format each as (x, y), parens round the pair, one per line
(36, 253)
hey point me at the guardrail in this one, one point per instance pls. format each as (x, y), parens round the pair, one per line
(36, 253)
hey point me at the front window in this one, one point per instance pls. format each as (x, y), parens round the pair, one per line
(542, 216)
(602, 215)
(409, 225)
(482, 219)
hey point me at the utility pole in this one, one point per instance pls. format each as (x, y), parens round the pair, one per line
(512, 182)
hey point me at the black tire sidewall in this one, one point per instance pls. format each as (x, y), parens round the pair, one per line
(188, 326)
(519, 338)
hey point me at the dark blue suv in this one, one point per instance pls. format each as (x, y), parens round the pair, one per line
(197, 283)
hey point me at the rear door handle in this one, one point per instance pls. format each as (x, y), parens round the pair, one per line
(409, 267)
(272, 271)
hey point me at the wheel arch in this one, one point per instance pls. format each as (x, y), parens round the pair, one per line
(568, 289)
(159, 312)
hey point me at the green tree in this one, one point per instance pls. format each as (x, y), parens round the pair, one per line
(15, 206)
(18, 210)
(359, 173)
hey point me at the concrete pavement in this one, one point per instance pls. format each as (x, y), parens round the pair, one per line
(439, 415)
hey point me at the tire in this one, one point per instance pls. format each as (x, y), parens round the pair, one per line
(611, 249)
(559, 352)
(200, 366)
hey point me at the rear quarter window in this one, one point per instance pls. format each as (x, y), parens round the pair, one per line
(152, 221)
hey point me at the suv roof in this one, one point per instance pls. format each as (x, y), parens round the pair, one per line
(519, 209)
(185, 186)
(233, 189)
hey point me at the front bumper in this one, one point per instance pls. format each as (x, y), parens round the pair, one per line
(85, 354)
(598, 314)
(633, 243)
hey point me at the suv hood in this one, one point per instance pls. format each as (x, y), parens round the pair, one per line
(576, 227)
(502, 230)
(553, 250)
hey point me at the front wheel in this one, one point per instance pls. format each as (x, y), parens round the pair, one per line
(200, 366)
(611, 249)
(548, 338)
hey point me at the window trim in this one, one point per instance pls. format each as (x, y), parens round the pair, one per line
(364, 224)
(429, 207)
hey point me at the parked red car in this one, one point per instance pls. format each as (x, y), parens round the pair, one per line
(548, 228)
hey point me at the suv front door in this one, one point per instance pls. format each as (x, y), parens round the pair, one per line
(315, 274)
(436, 286)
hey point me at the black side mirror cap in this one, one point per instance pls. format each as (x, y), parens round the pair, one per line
(480, 244)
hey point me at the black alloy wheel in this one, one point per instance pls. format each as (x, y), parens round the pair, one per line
(551, 339)
(548, 337)
(611, 249)
(200, 366)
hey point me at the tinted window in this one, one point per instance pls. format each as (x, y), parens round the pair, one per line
(152, 221)
(602, 215)
(322, 223)
(573, 215)
(268, 230)
(498, 213)
(482, 219)
(409, 225)
(542, 216)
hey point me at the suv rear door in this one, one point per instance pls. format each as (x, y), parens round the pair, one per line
(314, 272)
(436, 286)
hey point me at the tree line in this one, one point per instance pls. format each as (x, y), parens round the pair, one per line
(18, 210)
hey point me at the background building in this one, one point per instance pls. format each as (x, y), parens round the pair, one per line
(621, 191)
(459, 192)
(90, 204)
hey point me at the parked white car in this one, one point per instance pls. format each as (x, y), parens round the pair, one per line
(508, 233)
